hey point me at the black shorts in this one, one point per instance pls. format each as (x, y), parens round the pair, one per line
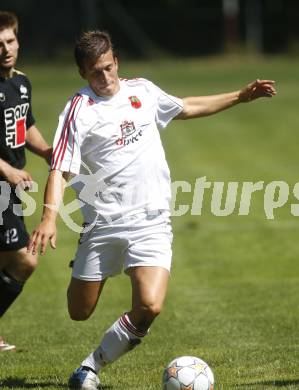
(13, 233)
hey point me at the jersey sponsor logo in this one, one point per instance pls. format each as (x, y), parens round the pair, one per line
(135, 102)
(24, 92)
(15, 124)
(2, 97)
(129, 134)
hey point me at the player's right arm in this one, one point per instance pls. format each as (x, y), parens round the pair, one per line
(66, 159)
(46, 230)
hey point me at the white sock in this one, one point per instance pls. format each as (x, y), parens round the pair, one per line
(120, 338)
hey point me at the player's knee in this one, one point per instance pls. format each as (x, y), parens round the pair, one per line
(79, 315)
(80, 304)
(28, 266)
(77, 312)
(23, 267)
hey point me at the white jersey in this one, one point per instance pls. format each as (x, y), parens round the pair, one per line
(112, 146)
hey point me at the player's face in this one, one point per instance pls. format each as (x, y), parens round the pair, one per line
(102, 75)
(9, 47)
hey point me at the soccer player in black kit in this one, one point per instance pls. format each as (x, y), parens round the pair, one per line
(17, 131)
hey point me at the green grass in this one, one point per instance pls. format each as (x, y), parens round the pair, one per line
(233, 296)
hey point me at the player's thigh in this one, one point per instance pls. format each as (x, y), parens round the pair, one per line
(18, 263)
(149, 287)
(83, 297)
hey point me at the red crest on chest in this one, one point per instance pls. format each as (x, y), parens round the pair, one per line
(135, 102)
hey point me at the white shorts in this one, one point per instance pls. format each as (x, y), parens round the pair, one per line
(137, 240)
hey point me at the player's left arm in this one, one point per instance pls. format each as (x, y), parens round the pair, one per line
(198, 106)
(36, 143)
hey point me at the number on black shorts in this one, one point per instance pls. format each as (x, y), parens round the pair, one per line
(11, 236)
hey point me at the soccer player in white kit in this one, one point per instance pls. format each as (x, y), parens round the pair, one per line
(108, 143)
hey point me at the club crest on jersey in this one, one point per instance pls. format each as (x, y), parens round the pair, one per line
(2, 97)
(15, 124)
(135, 102)
(127, 128)
(129, 134)
(24, 92)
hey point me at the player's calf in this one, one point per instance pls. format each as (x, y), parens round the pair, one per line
(18, 267)
(143, 315)
(79, 315)
(120, 338)
(10, 289)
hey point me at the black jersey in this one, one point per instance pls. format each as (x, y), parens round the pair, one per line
(15, 118)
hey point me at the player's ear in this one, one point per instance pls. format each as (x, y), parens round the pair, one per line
(116, 62)
(82, 72)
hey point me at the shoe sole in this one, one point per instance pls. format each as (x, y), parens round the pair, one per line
(7, 348)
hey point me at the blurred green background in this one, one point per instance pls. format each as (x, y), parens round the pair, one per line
(147, 28)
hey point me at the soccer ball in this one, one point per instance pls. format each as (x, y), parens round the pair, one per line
(188, 373)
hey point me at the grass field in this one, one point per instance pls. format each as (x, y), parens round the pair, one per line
(234, 291)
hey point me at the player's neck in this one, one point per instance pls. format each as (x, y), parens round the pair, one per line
(6, 73)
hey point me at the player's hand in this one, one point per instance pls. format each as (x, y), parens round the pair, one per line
(40, 237)
(257, 89)
(19, 177)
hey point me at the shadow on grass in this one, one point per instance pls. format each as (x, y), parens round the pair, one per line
(273, 383)
(22, 383)
(14, 383)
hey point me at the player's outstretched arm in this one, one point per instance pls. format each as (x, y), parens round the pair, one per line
(46, 230)
(198, 106)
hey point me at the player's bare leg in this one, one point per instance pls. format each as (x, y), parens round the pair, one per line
(149, 287)
(15, 268)
(18, 264)
(83, 297)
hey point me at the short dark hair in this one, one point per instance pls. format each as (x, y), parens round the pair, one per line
(8, 20)
(91, 45)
